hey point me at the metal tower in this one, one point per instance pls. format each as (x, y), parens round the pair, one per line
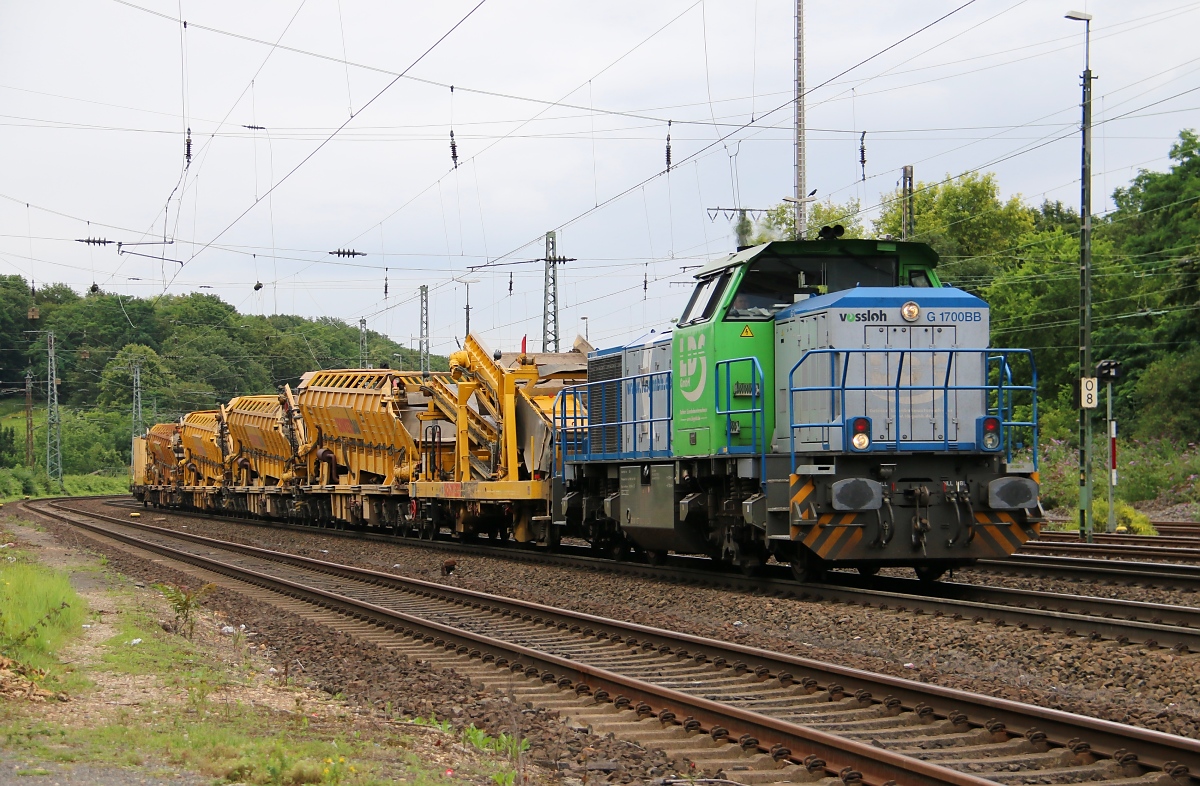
(136, 367)
(362, 343)
(424, 345)
(801, 187)
(29, 418)
(53, 418)
(550, 296)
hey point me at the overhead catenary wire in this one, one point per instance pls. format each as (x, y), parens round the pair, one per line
(317, 149)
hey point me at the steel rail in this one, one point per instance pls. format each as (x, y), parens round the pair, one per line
(1122, 551)
(1105, 737)
(1163, 540)
(1118, 620)
(1178, 575)
(876, 765)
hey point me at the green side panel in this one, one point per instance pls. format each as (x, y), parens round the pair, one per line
(697, 352)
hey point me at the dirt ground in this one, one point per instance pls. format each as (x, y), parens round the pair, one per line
(62, 742)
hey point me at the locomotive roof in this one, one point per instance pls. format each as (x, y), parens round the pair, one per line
(917, 252)
(885, 297)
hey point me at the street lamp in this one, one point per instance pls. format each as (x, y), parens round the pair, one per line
(800, 202)
(1085, 289)
(401, 356)
(586, 336)
(468, 282)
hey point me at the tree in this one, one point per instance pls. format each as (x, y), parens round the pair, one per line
(116, 381)
(1157, 226)
(966, 222)
(780, 221)
(1168, 397)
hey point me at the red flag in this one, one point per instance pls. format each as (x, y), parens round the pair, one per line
(523, 338)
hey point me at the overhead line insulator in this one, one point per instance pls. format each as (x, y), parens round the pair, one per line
(348, 252)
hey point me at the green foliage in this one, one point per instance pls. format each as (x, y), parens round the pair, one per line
(39, 611)
(503, 743)
(196, 350)
(1129, 519)
(966, 222)
(184, 602)
(779, 223)
(11, 453)
(1167, 395)
(20, 482)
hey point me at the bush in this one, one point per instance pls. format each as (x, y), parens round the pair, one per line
(1129, 517)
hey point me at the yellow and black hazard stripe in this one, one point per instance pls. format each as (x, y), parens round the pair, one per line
(999, 533)
(802, 488)
(831, 535)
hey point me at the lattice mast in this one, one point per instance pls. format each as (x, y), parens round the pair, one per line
(53, 417)
(550, 295)
(424, 341)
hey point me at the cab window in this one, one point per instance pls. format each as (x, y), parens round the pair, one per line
(919, 278)
(704, 299)
(774, 283)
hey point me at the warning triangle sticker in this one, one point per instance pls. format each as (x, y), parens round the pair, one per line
(746, 333)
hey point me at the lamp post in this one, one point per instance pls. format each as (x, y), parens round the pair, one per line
(586, 333)
(1085, 289)
(468, 282)
(801, 211)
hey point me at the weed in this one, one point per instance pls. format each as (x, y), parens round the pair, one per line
(184, 603)
(504, 777)
(505, 744)
(432, 720)
(276, 767)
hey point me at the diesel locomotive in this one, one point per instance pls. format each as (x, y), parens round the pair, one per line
(823, 403)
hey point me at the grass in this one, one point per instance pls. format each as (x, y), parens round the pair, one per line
(192, 719)
(19, 482)
(39, 613)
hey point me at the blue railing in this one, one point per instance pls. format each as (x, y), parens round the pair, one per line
(756, 410)
(999, 397)
(586, 434)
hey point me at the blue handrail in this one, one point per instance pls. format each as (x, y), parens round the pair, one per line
(1003, 389)
(579, 417)
(756, 410)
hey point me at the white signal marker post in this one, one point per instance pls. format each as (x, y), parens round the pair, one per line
(1088, 393)
(1111, 525)
(1108, 371)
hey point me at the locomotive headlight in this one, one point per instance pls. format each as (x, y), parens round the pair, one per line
(910, 311)
(989, 433)
(860, 433)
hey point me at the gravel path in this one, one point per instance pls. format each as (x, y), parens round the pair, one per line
(1156, 689)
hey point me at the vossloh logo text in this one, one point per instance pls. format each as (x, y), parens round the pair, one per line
(879, 315)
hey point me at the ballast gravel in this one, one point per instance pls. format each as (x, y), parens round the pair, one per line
(380, 681)
(1152, 688)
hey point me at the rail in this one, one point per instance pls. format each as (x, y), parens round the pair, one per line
(640, 403)
(998, 402)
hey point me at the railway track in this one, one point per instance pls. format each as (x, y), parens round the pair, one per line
(1117, 551)
(749, 715)
(1180, 529)
(1162, 539)
(1118, 620)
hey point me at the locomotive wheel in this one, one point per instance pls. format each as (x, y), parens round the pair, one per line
(929, 573)
(806, 569)
(657, 557)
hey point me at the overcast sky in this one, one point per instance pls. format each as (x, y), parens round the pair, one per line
(559, 112)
